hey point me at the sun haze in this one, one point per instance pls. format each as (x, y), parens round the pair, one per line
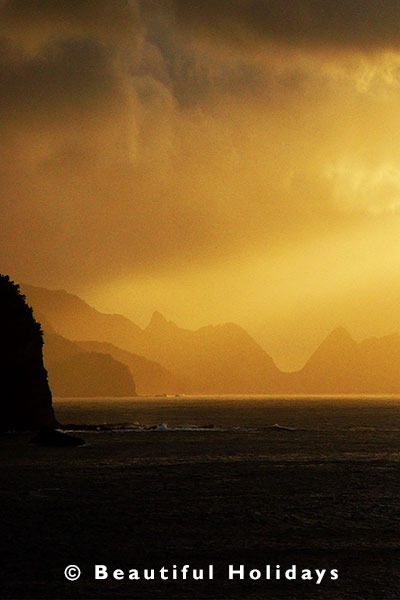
(216, 161)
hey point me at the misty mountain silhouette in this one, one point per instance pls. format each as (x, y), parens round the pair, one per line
(334, 366)
(159, 323)
(381, 356)
(213, 359)
(150, 377)
(223, 358)
(74, 319)
(74, 372)
(91, 374)
(26, 401)
(341, 365)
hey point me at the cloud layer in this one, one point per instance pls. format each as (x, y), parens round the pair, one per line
(339, 24)
(172, 141)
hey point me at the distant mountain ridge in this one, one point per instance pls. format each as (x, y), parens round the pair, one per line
(340, 365)
(73, 318)
(333, 365)
(91, 374)
(221, 359)
(74, 372)
(150, 377)
(214, 359)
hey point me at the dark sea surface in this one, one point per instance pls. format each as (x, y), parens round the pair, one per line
(308, 412)
(307, 482)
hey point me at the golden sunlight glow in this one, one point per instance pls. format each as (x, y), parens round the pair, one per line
(252, 178)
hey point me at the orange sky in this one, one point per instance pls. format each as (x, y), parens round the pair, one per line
(217, 161)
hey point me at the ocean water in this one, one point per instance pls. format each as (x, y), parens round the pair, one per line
(299, 412)
(306, 481)
(239, 428)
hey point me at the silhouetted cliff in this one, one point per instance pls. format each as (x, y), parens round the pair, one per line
(26, 401)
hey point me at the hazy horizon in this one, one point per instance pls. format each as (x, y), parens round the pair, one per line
(212, 161)
(146, 323)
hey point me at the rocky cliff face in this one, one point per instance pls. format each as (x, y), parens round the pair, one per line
(25, 401)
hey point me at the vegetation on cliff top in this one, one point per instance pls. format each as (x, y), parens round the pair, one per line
(26, 400)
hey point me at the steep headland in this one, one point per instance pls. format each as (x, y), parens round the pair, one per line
(150, 377)
(89, 374)
(26, 400)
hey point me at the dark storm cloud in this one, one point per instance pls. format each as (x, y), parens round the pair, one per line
(130, 147)
(63, 60)
(363, 24)
(36, 21)
(79, 96)
(66, 78)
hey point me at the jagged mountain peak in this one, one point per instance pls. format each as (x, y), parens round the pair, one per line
(337, 347)
(158, 321)
(339, 335)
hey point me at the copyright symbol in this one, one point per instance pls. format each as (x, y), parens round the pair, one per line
(72, 573)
